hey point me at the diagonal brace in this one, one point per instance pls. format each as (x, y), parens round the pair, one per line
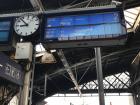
(68, 69)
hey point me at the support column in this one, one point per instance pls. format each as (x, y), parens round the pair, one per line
(26, 88)
(45, 85)
(28, 82)
(134, 99)
(99, 76)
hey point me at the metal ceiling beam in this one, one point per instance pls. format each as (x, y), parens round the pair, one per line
(92, 91)
(85, 63)
(37, 5)
(42, 11)
(19, 14)
(135, 63)
(136, 59)
(68, 69)
(79, 4)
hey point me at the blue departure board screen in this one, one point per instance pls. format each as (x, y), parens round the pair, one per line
(84, 28)
(87, 26)
(4, 31)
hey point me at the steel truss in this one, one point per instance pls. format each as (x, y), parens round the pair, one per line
(91, 95)
(135, 78)
(118, 83)
(7, 92)
(86, 3)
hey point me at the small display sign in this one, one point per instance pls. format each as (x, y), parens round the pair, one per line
(5, 28)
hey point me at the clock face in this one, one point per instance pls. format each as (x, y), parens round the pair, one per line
(26, 24)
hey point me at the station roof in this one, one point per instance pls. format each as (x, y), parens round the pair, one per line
(115, 59)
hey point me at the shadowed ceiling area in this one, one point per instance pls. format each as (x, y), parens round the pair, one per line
(9, 6)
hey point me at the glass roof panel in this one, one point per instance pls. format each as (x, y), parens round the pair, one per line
(128, 26)
(133, 10)
(131, 16)
(131, 21)
(128, 14)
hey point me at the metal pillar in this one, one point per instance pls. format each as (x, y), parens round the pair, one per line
(134, 99)
(37, 5)
(99, 76)
(45, 84)
(20, 96)
(25, 92)
(28, 82)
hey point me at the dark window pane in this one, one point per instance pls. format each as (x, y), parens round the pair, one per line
(4, 36)
(5, 25)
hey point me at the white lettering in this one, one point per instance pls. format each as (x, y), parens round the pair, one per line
(12, 72)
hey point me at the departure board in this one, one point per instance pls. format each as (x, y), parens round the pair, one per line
(84, 26)
(5, 27)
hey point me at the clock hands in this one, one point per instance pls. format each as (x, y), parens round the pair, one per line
(25, 23)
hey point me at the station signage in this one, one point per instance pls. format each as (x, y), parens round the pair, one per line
(10, 70)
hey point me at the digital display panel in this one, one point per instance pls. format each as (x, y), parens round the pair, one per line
(87, 19)
(4, 31)
(80, 27)
(91, 25)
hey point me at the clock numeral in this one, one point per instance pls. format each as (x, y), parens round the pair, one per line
(17, 30)
(17, 25)
(36, 19)
(18, 21)
(28, 16)
(32, 17)
(35, 28)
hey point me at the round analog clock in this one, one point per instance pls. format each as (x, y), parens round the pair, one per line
(26, 24)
